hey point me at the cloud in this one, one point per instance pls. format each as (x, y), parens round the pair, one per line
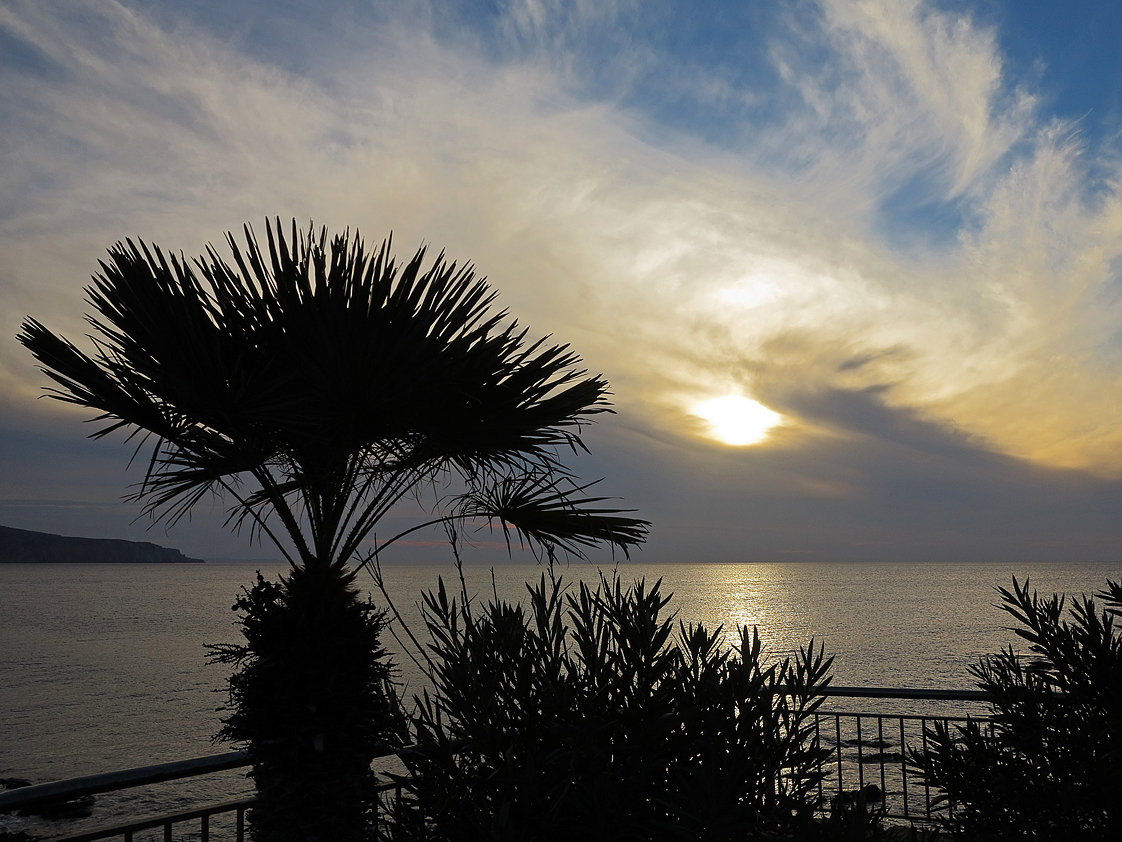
(881, 221)
(928, 84)
(872, 483)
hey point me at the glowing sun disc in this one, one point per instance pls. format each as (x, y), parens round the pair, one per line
(737, 420)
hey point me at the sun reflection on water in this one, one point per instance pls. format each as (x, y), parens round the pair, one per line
(741, 595)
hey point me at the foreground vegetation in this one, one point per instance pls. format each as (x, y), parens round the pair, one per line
(314, 387)
(588, 715)
(1049, 766)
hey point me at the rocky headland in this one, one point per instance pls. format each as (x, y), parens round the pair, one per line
(22, 546)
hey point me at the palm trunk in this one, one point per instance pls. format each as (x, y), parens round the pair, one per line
(313, 703)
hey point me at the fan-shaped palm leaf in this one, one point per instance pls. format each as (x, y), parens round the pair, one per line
(551, 513)
(335, 380)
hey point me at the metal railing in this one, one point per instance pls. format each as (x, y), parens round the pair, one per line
(167, 822)
(869, 751)
(34, 796)
(76, 788)
(865, 750)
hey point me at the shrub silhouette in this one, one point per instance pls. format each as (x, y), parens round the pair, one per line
(317, 385)
(585, 716)
(1050, 766)
(312, 669)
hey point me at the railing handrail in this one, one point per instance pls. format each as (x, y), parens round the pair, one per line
(908, 693)
(71, 788)
(65, 790)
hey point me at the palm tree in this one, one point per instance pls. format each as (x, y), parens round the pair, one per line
(314, 387)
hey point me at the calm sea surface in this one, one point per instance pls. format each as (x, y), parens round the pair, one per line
(103, 667)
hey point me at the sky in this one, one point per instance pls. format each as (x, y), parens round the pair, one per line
(890, 229)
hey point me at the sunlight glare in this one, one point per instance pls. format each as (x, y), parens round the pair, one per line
(748, 293)
(737, 420)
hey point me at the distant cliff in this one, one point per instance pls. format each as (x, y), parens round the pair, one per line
(23, 546)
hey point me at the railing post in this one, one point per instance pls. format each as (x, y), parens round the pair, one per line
(926, 785)
(860, 756)
(817, 748)
(903, 769)
(882, 746)
(838, 750)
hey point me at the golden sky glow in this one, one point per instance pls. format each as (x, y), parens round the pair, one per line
(871, 217)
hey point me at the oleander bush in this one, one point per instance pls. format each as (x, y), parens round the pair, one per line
(588, 715)
(1050, 766)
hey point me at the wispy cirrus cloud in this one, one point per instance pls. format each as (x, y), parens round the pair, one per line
(876, 210)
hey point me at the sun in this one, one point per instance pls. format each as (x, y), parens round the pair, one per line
(737, 420)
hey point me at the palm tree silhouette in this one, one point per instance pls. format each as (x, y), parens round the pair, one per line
(315, 386)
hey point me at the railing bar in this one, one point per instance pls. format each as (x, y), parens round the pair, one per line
(880, 739)
(929, 694)
(838, 750)
(167, 831)
(926, 785)
(950, 800)
(860, 757)
(123, 779)
(241, 825)
(903, 769)
(869, 714)
(817, 748)
(204, 828)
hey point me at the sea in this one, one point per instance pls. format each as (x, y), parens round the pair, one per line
(105, 667)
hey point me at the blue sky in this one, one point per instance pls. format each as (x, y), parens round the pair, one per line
(897, 225)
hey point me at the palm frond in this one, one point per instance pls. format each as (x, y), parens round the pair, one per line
(338, 378)
(552, 514)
